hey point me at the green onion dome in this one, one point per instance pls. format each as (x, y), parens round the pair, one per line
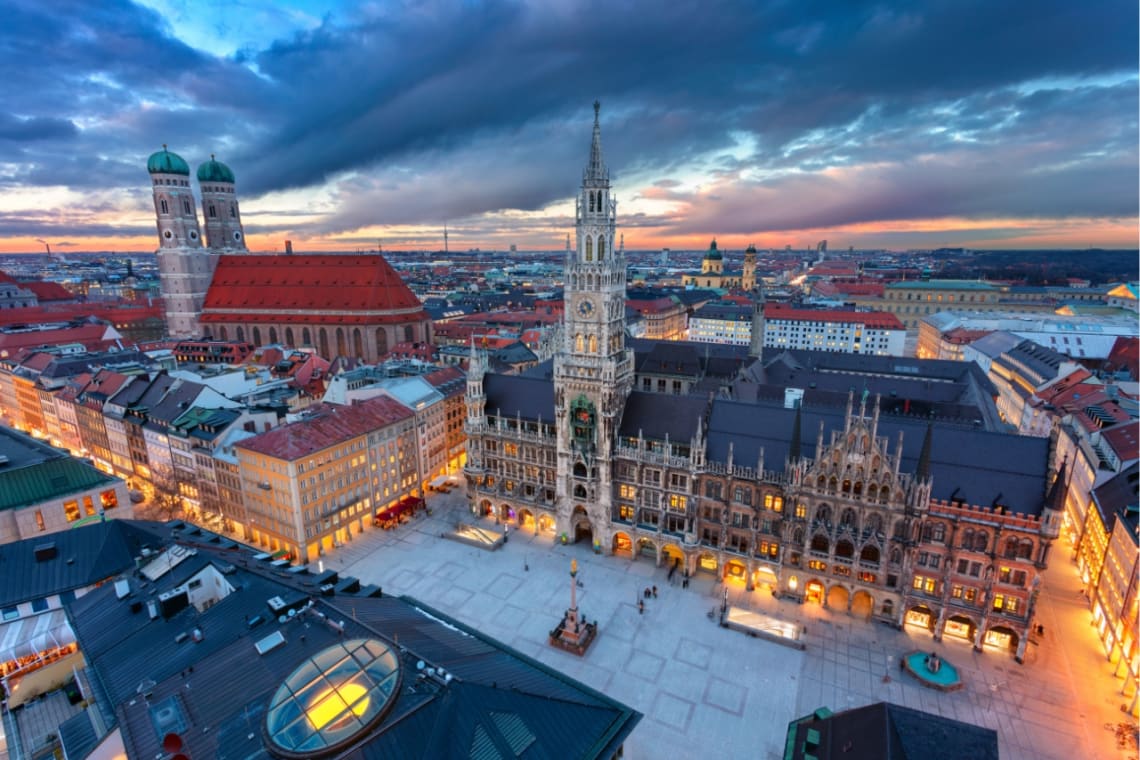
(165, 162)
(215, 171)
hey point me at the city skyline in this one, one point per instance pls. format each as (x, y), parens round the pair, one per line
(348, 127)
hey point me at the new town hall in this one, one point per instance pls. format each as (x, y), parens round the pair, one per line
(669, 453)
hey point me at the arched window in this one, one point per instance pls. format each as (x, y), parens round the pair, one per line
(849, 519)
(323, 339)
(589, 248)
(579, 343)
(1025, 551)
(241, 334)
(579, 470)
(358, 342)
(225, 333)
(981, 541)
(875, 524)
(833, 485)
(409, 334)
(162, 204)
(341, 346)
(273, 335)
(820, 544)
(186, 207)
(257, 336)
(289, 337)
(857, 489)
(579, 492)
(381, 342)
(591, 201)
(233, 211)
(896, 556)
(593, 344)
(846, 486)
(844, 550)
(1010, 549)
(823, 514)
(306, 337)
(870, 553)
(211, 211)
(601, 247)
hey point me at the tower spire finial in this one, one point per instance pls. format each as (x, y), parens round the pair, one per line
(596, 170)
(597, 110)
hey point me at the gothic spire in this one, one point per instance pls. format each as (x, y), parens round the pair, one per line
(596, 170)
(923, 470)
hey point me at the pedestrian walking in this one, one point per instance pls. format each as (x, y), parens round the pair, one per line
(654, 592)
(640, 606)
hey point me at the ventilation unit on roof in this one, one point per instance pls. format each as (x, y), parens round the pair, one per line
(122, 588)
(270, 642)
(44, 552)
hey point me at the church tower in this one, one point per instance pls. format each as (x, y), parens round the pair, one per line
(184, 267)
(749, 279)
(593, 370)
(220, 207)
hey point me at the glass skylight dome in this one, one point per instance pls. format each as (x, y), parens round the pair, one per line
(332, 698)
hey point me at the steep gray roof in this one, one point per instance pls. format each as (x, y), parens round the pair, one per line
(973, 465)
(657, 415)
(519, 396)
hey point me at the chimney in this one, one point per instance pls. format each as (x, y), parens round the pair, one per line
(288, 247)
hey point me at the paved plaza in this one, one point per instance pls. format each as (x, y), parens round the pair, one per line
(708, 691)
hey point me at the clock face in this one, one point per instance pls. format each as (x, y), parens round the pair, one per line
(586, 308)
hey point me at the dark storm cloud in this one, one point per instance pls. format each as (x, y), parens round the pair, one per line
(454, 109)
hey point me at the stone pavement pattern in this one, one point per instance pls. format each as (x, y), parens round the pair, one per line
(706, 690)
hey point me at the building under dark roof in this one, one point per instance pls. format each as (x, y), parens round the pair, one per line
(885, 731)
(32, 472)
(347, 677)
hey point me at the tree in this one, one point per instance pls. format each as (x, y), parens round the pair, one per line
(165, 502)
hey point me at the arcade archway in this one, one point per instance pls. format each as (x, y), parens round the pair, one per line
(862, 604)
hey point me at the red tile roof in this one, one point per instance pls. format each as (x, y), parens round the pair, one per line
(336, 289)
(877, 319)
(48, 291)
(327, 425)
(94, 337)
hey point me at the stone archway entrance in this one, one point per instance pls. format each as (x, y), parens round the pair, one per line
(837, 598)
(546, 524)
(1001, 637)
(959, 626)
(813, 591)
(580, 526)
(622, 545)
(920, 616)
(526, 520)
(862, 604)
(646, 548)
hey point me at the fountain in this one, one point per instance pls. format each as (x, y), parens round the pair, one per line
(932, 671)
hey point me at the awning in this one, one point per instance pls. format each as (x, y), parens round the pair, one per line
(439, 481)
(30, 635)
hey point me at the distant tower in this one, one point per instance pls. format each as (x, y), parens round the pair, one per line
(445, 238)
(756, 343)
(220, 207)
(173, 201)
(713, 262)
(184, 267)
(749, 279)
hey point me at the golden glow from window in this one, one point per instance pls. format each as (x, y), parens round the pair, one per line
(333, 705)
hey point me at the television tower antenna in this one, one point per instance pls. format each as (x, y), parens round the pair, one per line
(445, 237)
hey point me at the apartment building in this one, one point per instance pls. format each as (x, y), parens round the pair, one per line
(312, 485)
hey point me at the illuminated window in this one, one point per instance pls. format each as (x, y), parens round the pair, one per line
(332, 698)
(71, 510)
(677, 503)
(801, 510)
(625, 512)
(40, 521)
(88, 506)
(627, 492)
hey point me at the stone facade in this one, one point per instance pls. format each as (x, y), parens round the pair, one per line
(852, 525)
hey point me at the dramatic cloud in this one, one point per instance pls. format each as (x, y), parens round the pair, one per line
(719, 117)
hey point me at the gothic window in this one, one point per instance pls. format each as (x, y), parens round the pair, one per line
(163, 206)
(273, 335)
(358, 342)
(1025, 551)
(896, 556)
(381, 342)
(579, 470)
(409, 333)
(593, 344)
(186, 206)
(257, 336)
(306, 337)
(289, 337)
(225, 334)
(341, 349)
(579, 343)
(820, 544)
(601, 247)
(591, 201)
(844, 550)
(981, 541)
(823, 514)
(875, 524)
(589, 248)
(323, 339)
(870, 553)
(240, 334)
(233, 211)
(213, 212)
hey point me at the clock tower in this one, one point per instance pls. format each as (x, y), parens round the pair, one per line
(593, 369)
